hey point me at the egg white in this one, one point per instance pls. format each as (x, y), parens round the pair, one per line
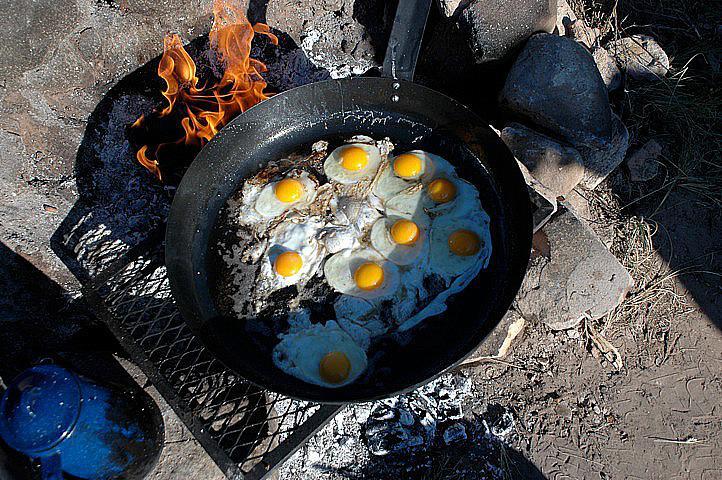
(339, 270)
(335, 172)
(269, 206)
(296, 237)
(445, 263)
(382, 241)
(300, 353)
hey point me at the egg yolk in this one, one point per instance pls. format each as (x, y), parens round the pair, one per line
(354, 158)
(334, 367)
(369, 276)
(405, 232)
(464, 243)
(288, 264)
(289, 190)
(441, 190)
(407, 165)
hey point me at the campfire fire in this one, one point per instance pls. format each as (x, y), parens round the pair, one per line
(202, 108)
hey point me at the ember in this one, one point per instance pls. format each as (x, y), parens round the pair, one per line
(201, 111)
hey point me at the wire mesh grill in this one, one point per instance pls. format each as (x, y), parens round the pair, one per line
(247, 430)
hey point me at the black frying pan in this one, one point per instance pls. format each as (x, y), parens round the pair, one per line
(414, 117)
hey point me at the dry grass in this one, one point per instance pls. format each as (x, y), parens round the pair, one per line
(683, 112)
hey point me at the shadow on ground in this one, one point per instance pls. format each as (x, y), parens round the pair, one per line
(39, 323)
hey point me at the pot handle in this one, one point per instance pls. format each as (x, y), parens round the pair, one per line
(405, 39)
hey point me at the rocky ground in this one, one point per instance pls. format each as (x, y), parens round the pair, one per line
(609, 365)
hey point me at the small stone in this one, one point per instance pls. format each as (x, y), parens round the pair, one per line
(448, 7)
(582, 278)
(565, 15)
(455, 433)
(608, 69)
(579, 31)
(601, 160)
(643, 164)
(640, 56)
(544, 200)
(494, 29)
(557, 167)
(554, 84)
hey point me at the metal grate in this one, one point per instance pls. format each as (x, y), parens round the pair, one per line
(247, 431)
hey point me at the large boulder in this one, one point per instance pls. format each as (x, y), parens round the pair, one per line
(555, 85)
(494, 29)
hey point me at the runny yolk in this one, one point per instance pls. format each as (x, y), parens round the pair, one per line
(369, 276)
(334, 367)
(289, 190)
(288, 264)
(407, 165)
(354, 158)
(441, 190)
(464, 243)
(405, 232)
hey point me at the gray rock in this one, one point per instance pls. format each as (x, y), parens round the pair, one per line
(449, 7)
(494, 29)
(545, 202)
(643, 164)
(555, 84)
(640, 56)
(565, 15)
(608, 69)
(579, 279)
(601, 159)
(557, 167)
(579, 31)
(342, 36)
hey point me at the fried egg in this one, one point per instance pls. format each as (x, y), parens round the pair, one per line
(284, 194)
(401, 239)
(404, 171)
(361, 273)
(442, 195)
(293, 254)
(323, 355)
(352, 163)
(459, 244)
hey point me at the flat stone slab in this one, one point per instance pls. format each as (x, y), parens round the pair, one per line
(576, 277)
(558, 167)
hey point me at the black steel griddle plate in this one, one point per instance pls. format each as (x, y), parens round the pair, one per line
(414, 117)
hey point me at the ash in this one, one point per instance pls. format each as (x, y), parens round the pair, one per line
(409, 436)
(121, 203)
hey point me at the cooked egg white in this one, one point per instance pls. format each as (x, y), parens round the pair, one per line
(401, 239)
(352, 163)
(361, 273)
(284, 194)
(404, 171)
(322, 354)
(459, 244)
(293, 255)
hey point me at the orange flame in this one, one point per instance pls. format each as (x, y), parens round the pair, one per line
(206, 109)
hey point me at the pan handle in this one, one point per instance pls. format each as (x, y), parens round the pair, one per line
(405, 39)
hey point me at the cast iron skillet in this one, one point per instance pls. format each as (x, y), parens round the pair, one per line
(414, 117)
